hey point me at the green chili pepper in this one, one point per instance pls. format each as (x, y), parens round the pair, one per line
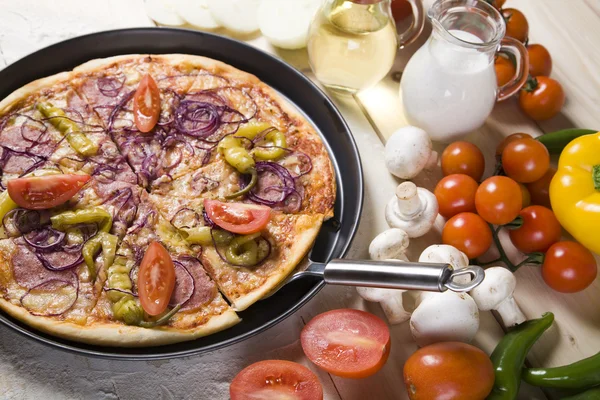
(591, 394)
(243, 250)
(272, 148)
(6, 204)
(118, 278)
(129, 311)
(555, 142)
(239, 158)
(77, 139)
(509, 355)
(202, 235)
(579, 375)
(95, 215)
(103, 240)
(251, 129)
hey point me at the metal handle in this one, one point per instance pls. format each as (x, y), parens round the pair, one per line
(398, 275)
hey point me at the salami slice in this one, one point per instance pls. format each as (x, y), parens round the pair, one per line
(29, 271)
(204, 288)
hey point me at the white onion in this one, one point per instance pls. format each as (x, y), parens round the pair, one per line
(236, 15)
(163, 12)
(285, 22)
(196, 13)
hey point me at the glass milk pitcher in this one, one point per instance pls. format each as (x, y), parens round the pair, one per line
(449, 85)
(352, 43)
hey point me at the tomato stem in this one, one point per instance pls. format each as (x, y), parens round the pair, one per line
(531, 84)
(503, 257)
(516, 224)
(596, 176)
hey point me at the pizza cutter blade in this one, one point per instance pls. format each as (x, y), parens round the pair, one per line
(390, 275)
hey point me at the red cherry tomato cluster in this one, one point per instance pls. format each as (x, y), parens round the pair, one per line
(542, 97)
(517, 200)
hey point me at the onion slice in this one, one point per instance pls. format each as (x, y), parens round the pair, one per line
(163, 12)
(196, 13)
(51, 298)
(239, 16)
(285, 23)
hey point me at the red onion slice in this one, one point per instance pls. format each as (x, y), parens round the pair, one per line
(184, 285)
(185, 218)
(51, 298)
(61, 260)
(45, 240)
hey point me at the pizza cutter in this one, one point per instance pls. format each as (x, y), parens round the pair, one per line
(390, 274)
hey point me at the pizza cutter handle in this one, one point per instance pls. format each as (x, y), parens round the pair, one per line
(399, 275)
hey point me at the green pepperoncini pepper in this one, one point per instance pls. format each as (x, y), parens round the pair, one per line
(104, 241)
(94, 215)
(77, 139)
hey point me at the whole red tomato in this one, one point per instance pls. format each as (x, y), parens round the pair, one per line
(505, 70)
(455, 194)
(507, 140)
(540, 189)
(539, 231)
(469, 233)
(517, 26)
(569, 267)
(498, 200)
(448, 371)
(525, 160)
(542, 98)
(540, 62)
(463, 158)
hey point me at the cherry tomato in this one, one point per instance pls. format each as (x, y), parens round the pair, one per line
(448, 371)
(569, 267)
(540, 189)
(517, 26)
(275, 379)
(542, 98)
(525, 160)
(463, 158)
(156, 279)
(509, 139)
(455, 194)
(238, 217)
(146, 104)
(401, 9)
(505, 70)
(42, 192)
(539, 231)
(525, 196)
(469, 233)
(347, 343)
(498, 200)
(540, 62)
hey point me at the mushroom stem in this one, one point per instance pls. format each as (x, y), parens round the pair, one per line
(390, 301)
(409, 203)
(432, 161)
(510, 312)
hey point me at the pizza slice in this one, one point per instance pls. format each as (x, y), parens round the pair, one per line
(196, 308)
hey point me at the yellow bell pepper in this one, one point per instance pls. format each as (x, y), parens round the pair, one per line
(575, 190)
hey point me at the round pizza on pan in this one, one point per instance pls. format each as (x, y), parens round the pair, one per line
(146, 198)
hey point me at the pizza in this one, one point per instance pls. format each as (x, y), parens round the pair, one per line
(147, 199)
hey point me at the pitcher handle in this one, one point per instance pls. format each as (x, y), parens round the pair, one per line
(412, 33)
(517, 49)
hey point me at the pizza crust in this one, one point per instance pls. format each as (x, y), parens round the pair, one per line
(119, 335)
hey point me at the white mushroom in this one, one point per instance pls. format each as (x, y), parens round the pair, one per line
(390, 244)
(443, 253)
(390, 300)
(444, 317)
(413, 210)
(408, 151)
(496, 293)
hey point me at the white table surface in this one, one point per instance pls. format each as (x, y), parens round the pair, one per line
(29, 370)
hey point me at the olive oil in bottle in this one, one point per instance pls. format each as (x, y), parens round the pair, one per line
(352, 44)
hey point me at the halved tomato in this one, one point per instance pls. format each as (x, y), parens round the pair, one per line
(276, 379)
(156, 279)
(146, 104)
(42, 192)
(238, 217)
(347, 343)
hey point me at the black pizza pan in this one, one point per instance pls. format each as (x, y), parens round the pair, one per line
(336, 234)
